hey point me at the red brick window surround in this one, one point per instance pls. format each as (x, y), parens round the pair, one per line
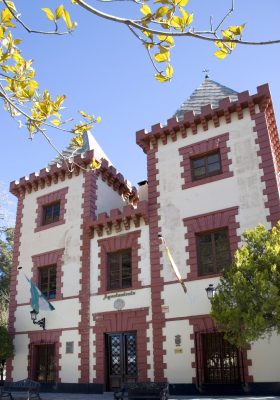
(113, 244)
(49, 202)
(44, 261)
(203, 150)
(43, 338)
(214, 221)
(203, 325)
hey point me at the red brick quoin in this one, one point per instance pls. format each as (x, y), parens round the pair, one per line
(206, 222)
(39, 338)
(205, 324)
(58, 195)
(14, 280)
(121, 321)
(50, 258)
(201, 148)
(115, 243)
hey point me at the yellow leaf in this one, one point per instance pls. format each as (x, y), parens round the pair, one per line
(59, 11)
(227, 34)
(221, 45)
(161, 12)
(48, 13)
(1, 33)
(98, 119)
(6, 15)
(182, 3)
(169, 71)
(56, 122)
(78, 141)
(89, 117)
(161, 78)
(162, 57)
(176, 22)
(11, 5)
(221, 54)
(167, 39)
(148, 34)
(95, 164)
(145, 9)
(187, 18)
(236, 29)
(67, 19)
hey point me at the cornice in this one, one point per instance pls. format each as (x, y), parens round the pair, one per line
(120, 220)
(226, 108)
(55, 173)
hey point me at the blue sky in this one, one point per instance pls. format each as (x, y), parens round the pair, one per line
(103, 69)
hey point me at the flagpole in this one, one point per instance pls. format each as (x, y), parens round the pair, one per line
(173, 265)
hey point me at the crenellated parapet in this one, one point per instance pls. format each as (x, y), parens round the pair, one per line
(59, 172)
(116, 180)
(175, 128)
(120, 220)
(51, 175)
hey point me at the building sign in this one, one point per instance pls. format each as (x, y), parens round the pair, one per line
(118, 294)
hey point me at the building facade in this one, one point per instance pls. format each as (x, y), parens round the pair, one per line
(91, 243)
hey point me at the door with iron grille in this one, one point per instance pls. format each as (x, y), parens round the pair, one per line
(121, 357)
(45, 363)
(221, 360)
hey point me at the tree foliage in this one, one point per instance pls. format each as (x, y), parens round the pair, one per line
(6, 348)
(6, 254)
(247, 303)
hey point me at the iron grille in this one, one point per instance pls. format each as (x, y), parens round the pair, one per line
(217, 361)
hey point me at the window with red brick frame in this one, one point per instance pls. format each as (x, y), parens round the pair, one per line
(205, 161)
(46, 268)
(51, 210)
(128, 246)
(221, 223)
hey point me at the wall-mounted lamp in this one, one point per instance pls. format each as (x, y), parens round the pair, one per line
(41, 322)
(210, 291)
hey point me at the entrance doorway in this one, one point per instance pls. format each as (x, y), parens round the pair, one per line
(45, 363)
(221, 360)
(121, 356)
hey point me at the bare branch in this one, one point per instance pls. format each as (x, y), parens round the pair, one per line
(225, 17)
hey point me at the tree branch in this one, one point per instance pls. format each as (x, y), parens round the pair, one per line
(190, 33)
(29, 30)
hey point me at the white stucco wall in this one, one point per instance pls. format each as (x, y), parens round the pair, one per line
(179, 368)
(107, 198)
(69, 362)
(65, 236)
(20, 370)
(266, 359)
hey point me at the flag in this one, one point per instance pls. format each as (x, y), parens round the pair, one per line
(38, 300)
(174, 266)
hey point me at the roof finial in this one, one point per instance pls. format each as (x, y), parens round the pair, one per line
(206, 73)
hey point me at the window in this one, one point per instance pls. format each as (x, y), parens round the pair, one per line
(119, 270)
(47, 281)
(213, 251)
(218, 361)
(45, 363)
(51, 209)
(206, 165)
(51, 213)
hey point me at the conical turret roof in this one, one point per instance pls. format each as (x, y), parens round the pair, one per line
(90, 143)
(209, 92)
